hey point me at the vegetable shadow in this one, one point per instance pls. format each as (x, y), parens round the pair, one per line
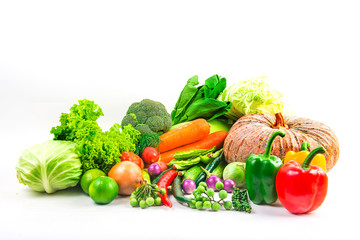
(69, 192)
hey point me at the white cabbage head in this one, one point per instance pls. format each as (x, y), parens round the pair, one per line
(49, 166)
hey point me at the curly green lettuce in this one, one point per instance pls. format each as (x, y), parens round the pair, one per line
(97, 149)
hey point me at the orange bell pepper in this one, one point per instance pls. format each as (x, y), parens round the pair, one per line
(299, 157)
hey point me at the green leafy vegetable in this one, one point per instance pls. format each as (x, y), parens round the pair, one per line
(200, 102)
(252, 96)
(97, 149)
(49, 166)
(147, 140)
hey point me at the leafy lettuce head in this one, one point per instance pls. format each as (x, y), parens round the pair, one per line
(49, 166)
(252, 96)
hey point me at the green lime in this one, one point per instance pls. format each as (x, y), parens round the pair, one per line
(103, 190)
(88, 177)
(228, 205)
(219, 185)
(215, 206)
(223, 194)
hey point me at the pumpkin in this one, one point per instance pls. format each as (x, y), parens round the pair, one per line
(250, 134)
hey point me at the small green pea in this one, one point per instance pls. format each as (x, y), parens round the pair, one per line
(150, 201)
(134, 202)
(142, 204)
(207, 204)
(228, 205)
(215, 206)
(203, 184)
(199, 205)
(201, 189)
(192, 204)
(223, 194)
(219, 185)
(158, 201)
(210, 192)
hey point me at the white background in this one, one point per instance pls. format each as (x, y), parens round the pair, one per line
(53, 53)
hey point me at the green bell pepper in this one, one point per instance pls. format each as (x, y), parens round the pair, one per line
(260, 174)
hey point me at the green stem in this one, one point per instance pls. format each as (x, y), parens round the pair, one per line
(208, 174)
(305, 146)
(312, 154)
(270, 142)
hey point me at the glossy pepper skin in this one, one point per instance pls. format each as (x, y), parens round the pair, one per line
(260, 174)
(163, 183)
(299, 157)
(302, 188)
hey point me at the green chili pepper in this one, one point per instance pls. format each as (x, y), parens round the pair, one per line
(260, 174)
(177, 191)
(210, 167)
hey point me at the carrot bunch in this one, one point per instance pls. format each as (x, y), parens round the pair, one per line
(192, 135)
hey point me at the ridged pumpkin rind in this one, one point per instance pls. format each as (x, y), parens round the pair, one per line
(250, 134)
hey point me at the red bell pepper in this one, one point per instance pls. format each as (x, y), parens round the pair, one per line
(302, 189)
(132, 157)
(163, 183)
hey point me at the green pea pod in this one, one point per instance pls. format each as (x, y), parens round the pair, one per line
(192, 153)
(210, 156)
(184, 164)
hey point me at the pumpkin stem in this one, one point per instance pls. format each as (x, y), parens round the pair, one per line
(305, 146)
(279, 121)
(270, 142)
(309, 158)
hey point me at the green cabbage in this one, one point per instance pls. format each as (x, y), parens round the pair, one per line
(49, 166)
(252, 96)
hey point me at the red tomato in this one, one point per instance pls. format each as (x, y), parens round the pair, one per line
(150, 155)
(162, 165)
(132, 157)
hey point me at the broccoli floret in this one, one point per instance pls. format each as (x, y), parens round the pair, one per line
(148, 116)
(143, 128)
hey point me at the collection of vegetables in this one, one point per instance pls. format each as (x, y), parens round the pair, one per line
(221, 147)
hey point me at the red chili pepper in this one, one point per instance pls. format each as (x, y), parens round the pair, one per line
(302, 189)
(163, 183)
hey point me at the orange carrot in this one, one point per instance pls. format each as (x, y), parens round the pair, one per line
(213, 139)
(185, 134)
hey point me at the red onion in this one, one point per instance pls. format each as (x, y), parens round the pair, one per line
(154, 169)
(212, 180)
(229, 185)
(188, 186)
